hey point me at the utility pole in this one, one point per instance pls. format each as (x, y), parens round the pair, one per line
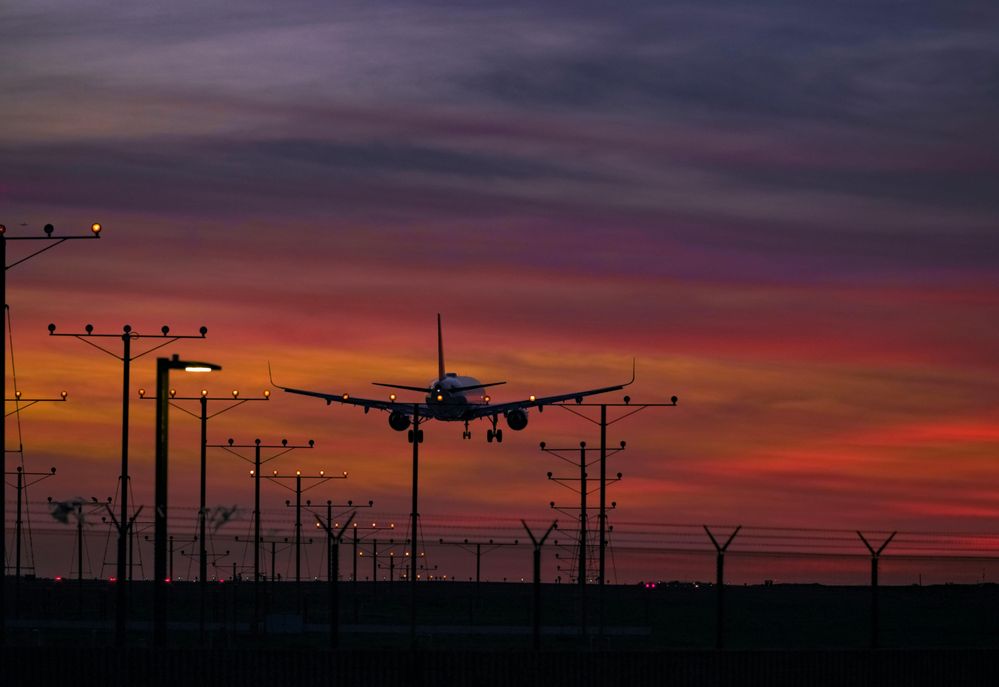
(333, 539)
(127, 336)
(55, 240)
(720, 549)
(538, 543)
(875, 558)
(257, 461)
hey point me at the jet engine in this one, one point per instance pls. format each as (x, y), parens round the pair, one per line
(516, 419)
(398, 421)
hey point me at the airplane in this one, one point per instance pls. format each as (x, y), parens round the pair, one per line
(453, 398)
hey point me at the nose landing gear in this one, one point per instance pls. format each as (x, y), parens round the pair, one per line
(466, 434)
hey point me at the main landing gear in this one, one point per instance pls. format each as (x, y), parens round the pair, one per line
(466, 434)
(494, 433)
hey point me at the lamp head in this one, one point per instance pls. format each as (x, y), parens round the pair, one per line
(96, 228)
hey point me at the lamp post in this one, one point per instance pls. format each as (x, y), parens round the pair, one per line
(123, 571)
(257, 461)
(163, 368)
(233, 401)
(95, 232)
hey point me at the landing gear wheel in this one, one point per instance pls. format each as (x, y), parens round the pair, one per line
(466, 435)
(489, 435)
(499, 436)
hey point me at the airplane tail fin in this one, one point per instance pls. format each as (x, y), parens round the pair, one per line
(440, 349)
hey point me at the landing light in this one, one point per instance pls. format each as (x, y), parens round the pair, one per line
(486, 399)
(391, 397)
(346, 396)
(440, 397)
(532, 397)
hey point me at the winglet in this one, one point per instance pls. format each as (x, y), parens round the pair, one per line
(634, 365)
(270, 375)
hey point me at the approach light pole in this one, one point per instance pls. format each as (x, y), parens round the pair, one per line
(24, 480)
(233, 401)
(583, 490)
(20, 405)
(163, 368)
(321, 478)
(283, 448)
(415, 438)
(123, 573)
(95, 233)
(331, 569)
(603, 423)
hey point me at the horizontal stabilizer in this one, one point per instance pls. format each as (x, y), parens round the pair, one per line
(421, 389)
(474, 386)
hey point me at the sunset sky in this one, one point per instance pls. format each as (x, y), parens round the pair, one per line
(787, 212)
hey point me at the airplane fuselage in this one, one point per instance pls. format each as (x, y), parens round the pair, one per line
(447, 401)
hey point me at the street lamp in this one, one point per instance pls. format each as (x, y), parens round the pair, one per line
(163, 368)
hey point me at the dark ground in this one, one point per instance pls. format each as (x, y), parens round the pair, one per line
(807, 635)
(499, 616)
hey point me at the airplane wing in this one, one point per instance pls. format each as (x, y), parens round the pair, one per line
(347, 399)
(533, 402)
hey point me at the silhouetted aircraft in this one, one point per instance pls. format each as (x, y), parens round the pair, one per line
(454, 398)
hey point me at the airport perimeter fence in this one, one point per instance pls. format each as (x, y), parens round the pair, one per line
(784, 587)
